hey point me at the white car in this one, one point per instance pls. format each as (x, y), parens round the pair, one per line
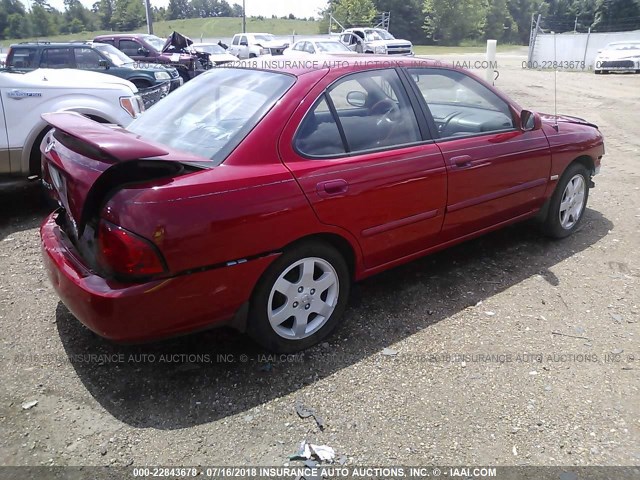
(25, 96)
(311, 46)
(217, 54)
(251, 45)
(618, 57)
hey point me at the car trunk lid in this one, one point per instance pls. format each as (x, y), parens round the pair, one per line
(85, 162)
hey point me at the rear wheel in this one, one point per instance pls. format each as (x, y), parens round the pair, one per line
(568, 203)
(300, 298)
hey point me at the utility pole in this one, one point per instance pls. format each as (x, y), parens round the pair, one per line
(147, 7)
(244, 18)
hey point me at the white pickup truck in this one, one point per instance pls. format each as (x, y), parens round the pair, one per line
(251, 45)
(25, 96)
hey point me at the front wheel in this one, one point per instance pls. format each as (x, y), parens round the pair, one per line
(300, 298)
(568, 202)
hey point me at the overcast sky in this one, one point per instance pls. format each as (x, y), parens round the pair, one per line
(300, 8)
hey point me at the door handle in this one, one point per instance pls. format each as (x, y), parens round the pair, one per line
(461, 161)
(332, 187)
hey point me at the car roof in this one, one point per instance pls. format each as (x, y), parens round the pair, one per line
(336, 62)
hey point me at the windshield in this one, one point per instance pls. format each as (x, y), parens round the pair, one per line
(625, 46)
(155, 42)
(212, 49)
(331, 47)
(264, 38)
(212, 114)
(377, 34)
(117, 57)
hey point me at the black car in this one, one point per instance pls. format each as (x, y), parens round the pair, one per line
(97, 57)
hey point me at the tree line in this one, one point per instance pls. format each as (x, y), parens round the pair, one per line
(440, 22)
(452, 22)
(43, 20)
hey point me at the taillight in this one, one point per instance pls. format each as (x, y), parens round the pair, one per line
(126, 254)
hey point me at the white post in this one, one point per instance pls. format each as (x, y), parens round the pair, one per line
(491, 58)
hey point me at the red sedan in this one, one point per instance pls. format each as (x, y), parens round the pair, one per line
(253, 197)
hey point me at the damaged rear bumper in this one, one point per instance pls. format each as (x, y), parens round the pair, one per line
(145, 311)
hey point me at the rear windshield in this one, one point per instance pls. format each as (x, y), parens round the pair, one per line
(210, 115)
(22, 58)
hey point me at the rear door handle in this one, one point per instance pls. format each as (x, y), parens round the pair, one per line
(461, 161)
(332, 187)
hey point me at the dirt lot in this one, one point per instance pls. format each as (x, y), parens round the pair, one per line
(560, 319)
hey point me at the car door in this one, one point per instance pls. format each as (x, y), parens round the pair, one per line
(366, 163)
(5, 158)
(497, 172)
(243, 48)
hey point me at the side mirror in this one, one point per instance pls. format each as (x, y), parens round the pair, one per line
(143, 51)
(530, 121)
(357, 99)
(103, 63)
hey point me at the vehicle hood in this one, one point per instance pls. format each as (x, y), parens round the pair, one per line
(149, 66)
(553, 119)
(389, 43)
(72, 78)
(619, 55)
(176, 43)
(272, 43)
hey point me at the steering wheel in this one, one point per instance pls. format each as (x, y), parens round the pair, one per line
(447, 121)
(389, 109)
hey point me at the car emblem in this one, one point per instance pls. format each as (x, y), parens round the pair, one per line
(20, 94)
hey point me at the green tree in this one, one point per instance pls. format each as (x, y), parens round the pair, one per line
(521, 12)
(17, 26)
(354, 13)
(177, 9)
(406, 18)
(104, 11)
(448, 22)
(128, 15)
(499, 24)
(611, 15)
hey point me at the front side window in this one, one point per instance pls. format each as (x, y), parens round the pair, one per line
(117, 57)
(156, 43)
(236, 40)
(57, 58)
(460, 105)
(129, 47)
(86, 58)
(212, 114)
(372, 110)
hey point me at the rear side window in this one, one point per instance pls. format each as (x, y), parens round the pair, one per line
(57, 58)
(22, 58)
(318, 135)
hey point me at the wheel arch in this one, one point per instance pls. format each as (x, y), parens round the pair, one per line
(31, 152)
(340, 243)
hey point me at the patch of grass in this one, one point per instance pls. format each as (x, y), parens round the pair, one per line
(439, 50)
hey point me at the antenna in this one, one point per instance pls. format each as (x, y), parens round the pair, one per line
(555, 84)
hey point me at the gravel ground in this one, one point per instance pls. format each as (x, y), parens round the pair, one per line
(508, 350)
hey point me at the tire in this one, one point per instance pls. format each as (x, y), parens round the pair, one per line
(568, 202)
(283, 296)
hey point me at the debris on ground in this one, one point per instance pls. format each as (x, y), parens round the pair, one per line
(389, 352)
(306, 412)
(28, 405)
(310, 451)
